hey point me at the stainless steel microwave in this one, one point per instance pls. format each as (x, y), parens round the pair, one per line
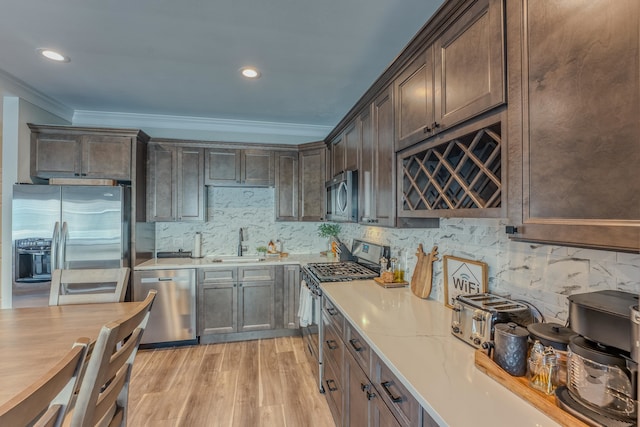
(342, 197)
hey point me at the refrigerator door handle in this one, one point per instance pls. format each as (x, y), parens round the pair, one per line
(55, 241)
(63, 245)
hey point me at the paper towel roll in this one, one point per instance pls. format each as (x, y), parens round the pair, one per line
(197, 246)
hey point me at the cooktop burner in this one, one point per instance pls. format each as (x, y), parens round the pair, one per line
(340, 271)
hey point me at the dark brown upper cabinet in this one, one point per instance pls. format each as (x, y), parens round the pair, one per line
(287, 186)
(300, 178)
(345, 150)
(175, 191)
(377, 167)
(312, 159)
(414, 104)
(239, 167)
(457, 77)
(75, 152)
(574, 128)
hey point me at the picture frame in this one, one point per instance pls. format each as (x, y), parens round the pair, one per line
(463, 276)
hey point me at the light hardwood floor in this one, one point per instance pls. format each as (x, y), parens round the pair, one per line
(251, 383)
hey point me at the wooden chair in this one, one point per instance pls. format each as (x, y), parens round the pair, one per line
(45, 402)
(88, 286)
(104, 392)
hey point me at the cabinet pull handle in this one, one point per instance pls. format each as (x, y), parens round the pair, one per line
(353, 342)
(364, 387)
(370, 395)
(76, 174)
(329, 382)
(385, 386)
(332, 346)
(332, 311)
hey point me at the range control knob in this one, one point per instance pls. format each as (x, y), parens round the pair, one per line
(456, 330)
(476, 341)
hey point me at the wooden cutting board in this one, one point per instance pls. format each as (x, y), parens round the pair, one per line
(423, 274)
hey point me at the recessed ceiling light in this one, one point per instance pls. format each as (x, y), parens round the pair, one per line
(250, 72)
(53, 55)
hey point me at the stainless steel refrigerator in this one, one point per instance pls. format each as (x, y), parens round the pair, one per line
(68, 227)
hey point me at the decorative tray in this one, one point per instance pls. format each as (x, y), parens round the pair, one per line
(390, 284)
(520, 386)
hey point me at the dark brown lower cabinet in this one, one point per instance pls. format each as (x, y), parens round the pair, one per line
(360, 389)
(363, 405)
(332, 384)
(400, 401)
(236, 299)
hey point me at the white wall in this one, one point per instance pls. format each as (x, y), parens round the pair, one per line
(15, 168)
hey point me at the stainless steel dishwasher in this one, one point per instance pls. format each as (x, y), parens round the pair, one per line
(173, 314)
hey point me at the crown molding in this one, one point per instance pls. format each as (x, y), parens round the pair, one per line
(158, 125)
(12, 86)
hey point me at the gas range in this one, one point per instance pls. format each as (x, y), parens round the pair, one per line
(361, 263)
(339, 271)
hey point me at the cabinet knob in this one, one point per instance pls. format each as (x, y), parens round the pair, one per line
(426, 129)
(76, 174)
(435, 125)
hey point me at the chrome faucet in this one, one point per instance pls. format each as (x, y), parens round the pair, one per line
(241, 248)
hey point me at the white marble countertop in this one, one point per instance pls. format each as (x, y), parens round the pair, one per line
(210, 261)
(412, 337)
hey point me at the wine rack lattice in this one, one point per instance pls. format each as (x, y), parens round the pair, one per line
(463, 173)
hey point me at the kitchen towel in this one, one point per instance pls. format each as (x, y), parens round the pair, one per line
(305, 308)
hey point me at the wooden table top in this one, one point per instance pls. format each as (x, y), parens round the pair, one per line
(33, 339)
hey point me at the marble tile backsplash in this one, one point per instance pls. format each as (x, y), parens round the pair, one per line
(229, 209)
(542, 275)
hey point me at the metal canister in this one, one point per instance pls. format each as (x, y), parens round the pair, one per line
(511, 345)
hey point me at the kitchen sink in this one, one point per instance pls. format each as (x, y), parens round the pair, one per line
(236, 259)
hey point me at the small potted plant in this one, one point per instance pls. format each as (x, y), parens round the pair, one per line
(262, 251)
(331, 232)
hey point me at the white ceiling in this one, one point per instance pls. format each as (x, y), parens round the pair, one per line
(181, 58)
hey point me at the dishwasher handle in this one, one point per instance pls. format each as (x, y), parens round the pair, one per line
(163, 279)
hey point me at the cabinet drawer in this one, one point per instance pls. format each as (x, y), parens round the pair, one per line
(333, 348)
(256, 273)
(215, 275)
(332, 313)
(333, 391)
(358, 347)
(403, 405)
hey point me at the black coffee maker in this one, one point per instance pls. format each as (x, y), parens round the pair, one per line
(602, 377)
